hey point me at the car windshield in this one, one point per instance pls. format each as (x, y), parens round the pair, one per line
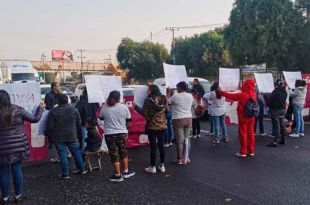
(206, 86)
(128, 93)
(44, 91)
(65, 89)
(23, 77)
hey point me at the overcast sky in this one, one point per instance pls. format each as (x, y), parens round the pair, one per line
(31, 27)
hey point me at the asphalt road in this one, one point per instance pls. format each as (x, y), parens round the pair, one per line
(274, 176)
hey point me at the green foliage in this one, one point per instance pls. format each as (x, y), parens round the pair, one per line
(202, 54)
(267, 31)
(142, 60)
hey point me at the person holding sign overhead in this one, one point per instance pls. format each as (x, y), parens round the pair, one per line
(154, 110)
(14, 145)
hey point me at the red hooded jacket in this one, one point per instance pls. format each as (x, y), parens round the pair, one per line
(247, 90)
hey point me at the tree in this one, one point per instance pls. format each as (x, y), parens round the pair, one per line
(142, 60)
(265, 31)
(202, 54)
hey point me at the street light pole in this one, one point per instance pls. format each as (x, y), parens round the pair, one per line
(43, 58)
(173, 29)
(82, 63)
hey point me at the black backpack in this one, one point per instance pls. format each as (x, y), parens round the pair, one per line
(251, 108)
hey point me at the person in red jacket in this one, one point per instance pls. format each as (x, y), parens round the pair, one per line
(246, 125)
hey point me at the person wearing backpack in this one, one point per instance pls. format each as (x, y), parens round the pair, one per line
(277, 105)
(245, 122)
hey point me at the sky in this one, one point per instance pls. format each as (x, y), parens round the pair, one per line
(29, 28)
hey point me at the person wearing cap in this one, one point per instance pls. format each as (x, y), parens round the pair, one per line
(246, 124)
(277, 105)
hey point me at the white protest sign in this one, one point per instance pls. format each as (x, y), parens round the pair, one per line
(28, 96)
(100, 86)
(174, 74)
(163, 90)
(229, 79)
(140, 93)
(291, 77)
(264, 82)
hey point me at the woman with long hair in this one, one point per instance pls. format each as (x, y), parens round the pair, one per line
(14, 146)
(154, 110)
(181, 103)
(117, 118)
(218, 111)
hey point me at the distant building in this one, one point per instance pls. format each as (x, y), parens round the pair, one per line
(65, 68)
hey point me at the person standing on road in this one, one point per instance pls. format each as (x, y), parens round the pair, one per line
(116, 117)
(64, 129)
(14, 145)
(198, 93)
(259, 120)
(298, 102)
(50, 102)
(277, 105)
(218, 111)
(181, 103)
(154, 110)
(245, 124)
(86, 110)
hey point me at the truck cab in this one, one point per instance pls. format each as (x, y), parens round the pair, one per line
(18, 71)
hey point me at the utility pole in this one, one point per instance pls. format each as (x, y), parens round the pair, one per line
(82, 63)
(173, 29)
(42, 59)
(151, 36)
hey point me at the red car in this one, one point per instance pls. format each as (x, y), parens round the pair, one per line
(136, 135)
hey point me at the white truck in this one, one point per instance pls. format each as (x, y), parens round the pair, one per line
(18, 71)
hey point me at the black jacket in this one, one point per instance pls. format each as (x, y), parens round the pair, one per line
(198, 89)
(50, 100)
(86, 110)
(277, 99)
(64, 125)
(93, 140)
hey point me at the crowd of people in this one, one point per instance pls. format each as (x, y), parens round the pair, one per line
(174, 117)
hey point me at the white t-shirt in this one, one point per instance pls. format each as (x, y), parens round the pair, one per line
(181, 104)
(115, 119)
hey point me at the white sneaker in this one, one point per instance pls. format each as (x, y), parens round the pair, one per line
(301, 134)
(294, 135)
(161, 168)
(198, 136)
(151, 170)
(193, 136)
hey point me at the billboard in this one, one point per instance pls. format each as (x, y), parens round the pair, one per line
(62, 55)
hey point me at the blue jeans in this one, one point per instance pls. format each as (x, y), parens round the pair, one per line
(74, 148)
(211, 124)
(216, 121)
(168, 132)
(18, 179)
(84, 134)
(299, 120)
